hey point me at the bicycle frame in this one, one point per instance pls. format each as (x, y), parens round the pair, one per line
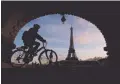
(44, 47)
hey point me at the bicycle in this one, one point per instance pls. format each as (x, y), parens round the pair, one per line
(46, 57)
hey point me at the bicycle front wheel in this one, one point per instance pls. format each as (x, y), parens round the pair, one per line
(47, 56)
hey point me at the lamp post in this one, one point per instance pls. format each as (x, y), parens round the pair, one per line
(63, 18)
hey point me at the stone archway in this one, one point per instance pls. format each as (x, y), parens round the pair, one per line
(20, 14)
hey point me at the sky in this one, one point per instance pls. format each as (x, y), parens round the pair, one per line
(88, 40)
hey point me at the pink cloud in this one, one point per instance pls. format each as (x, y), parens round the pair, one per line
(89, 38)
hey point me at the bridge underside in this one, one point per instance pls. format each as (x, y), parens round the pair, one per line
(105, 16)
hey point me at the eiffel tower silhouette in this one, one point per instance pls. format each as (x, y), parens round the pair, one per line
(71, 52)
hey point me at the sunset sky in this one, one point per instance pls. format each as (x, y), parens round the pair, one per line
(88, 40)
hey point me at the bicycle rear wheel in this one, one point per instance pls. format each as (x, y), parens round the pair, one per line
(47, 56)
(17, 58)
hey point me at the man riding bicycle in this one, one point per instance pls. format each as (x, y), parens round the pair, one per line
(29, 38)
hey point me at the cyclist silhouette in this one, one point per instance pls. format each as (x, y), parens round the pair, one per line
(29, 38)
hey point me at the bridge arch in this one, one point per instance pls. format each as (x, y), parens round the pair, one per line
(17, 15)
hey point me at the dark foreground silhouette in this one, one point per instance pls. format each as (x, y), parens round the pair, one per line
(61, 64)
(29, 39)
(24, 55)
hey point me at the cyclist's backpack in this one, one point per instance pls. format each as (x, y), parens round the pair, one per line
(25, 35)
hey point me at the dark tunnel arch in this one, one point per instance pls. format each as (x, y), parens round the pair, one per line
(99, 17)
(72, 16)
(25, 21)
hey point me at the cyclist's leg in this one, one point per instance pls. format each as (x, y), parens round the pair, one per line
(30, 51)
(37, 44)
(30, 48)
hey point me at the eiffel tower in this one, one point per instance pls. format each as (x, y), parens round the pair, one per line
(71, 52)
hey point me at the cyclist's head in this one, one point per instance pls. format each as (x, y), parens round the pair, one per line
(36, 26)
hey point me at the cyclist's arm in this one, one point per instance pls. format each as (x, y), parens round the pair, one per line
(40, 38)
